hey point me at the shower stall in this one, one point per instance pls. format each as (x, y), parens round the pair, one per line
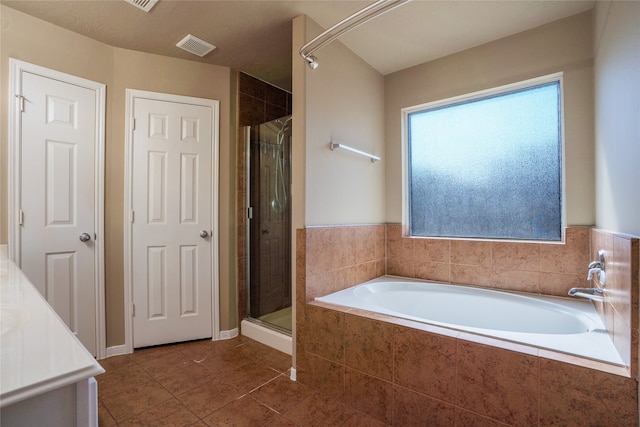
(268, 177)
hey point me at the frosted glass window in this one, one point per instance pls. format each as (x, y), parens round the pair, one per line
(488, 167)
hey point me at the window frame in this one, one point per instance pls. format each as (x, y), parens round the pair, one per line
(529, 83)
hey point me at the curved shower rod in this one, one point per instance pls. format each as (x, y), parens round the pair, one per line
(346, 25)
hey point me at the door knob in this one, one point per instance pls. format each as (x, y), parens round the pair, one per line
(203, 233)
(85, 237)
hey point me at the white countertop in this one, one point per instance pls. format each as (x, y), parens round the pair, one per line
(38, 353)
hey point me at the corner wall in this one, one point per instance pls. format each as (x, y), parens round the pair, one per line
(617, 113)
(345, 103)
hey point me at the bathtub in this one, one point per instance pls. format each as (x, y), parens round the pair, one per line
(553, 323)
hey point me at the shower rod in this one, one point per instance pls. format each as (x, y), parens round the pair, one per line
(346, 25)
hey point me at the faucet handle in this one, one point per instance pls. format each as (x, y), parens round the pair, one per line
(598, 268)
(595, 264)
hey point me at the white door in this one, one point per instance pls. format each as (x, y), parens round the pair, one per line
(172, 244)
(57, 197)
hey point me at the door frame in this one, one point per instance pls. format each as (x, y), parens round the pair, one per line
(131, 95)
(16, 70)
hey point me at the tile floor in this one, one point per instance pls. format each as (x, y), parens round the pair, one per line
(237, 382)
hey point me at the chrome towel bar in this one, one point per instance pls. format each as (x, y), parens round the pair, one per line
(334, 145)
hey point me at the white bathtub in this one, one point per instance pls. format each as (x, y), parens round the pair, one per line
(553, 323)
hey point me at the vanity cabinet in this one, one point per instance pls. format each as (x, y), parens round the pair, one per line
(46, 374)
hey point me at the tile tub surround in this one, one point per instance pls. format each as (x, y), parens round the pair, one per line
(403, 373)
(540, 268)
(620, 308)
(327, 261)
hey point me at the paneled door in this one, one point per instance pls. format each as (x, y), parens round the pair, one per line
(59, 130)
(172, 229)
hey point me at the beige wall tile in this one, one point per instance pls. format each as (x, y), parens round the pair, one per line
(437, 271)
(497, 383)
(471, 275)
(466, 418)
(432, 250)
(400, 267)
(415, 409)
(425, 363)
(573, 395)
(469, 252)
(515, 280)
(398, 247)
(369, 346)
(321, 374)
(516, 256)
(325, 333)
(559, 284)
(369, 395)
(572, 257)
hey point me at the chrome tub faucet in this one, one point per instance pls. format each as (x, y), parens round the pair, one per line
(594, 293)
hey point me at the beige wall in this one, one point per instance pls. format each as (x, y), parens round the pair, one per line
(617, 114)
(344, 102)
(564, 45)
(53, 47)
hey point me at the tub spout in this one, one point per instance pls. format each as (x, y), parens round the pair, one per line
(594, 294)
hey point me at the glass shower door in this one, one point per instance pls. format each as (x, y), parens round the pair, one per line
(269, 225)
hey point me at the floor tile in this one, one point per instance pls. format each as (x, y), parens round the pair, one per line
(362, 420)
(185, 378)
(208, 398)
(165, 363)
(282, 394)
(237, 382)
(104, 417)
(249, 377)
(121, 380)
(171, 413)
(134, 400)
(244, 411)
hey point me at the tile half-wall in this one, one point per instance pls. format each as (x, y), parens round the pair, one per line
(401, 373)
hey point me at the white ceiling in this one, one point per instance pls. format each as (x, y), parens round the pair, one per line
(255, 36)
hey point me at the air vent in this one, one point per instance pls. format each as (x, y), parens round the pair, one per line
(145, 5)
(195, 45)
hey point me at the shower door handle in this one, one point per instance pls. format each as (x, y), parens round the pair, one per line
(204, 234)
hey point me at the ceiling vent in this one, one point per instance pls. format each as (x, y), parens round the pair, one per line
(145, 5)
(195, 45)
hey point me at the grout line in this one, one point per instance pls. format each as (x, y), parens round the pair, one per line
(271, 380)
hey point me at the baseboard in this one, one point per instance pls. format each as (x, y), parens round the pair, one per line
(116, 350)
(227, 335)
(267, 336)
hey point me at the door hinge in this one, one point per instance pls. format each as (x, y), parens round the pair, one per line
(20, 217)
(132, 216)
(20, 102)
(250, 212)
(133, 123)
(133, 309)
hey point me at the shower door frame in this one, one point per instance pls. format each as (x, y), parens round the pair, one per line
(250, 218)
